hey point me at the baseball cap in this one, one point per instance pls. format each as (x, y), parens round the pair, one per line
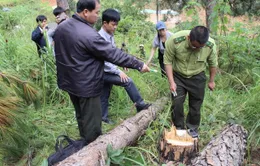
(160, 25)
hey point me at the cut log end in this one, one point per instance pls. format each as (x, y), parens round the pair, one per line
(177, 145)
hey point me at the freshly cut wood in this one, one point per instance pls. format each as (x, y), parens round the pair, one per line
(125, 134)
(228, 148)
(177, 145)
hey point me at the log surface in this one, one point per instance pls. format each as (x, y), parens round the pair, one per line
(125, 134)
(227, 149)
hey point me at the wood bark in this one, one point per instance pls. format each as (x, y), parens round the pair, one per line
(228, 148)
(65, 5)
(210, 4)
(125, 134)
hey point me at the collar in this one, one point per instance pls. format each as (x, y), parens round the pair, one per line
(77, 17)
(40, 28)
(106, 35)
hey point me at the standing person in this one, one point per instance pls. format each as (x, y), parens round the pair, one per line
(80, 54)
(113, 75)
(186, 56)
(38, 34)
(159, 42)
(60, 16)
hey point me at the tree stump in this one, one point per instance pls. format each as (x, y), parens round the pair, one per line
(177, 145)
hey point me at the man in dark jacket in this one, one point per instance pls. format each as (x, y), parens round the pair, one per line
(80, 55)
(38, 34)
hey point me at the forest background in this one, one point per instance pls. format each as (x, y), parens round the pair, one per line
(33, 111)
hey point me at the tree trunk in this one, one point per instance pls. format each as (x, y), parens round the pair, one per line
(178, 146)
(65, 5)
(157, 11)
(209, 9)
(228, 148)
(125, 134)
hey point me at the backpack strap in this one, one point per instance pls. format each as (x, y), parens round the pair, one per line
(60, 139)
(179, 39)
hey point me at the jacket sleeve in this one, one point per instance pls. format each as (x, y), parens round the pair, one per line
(111, 68)
(105, 51)
(36, 34)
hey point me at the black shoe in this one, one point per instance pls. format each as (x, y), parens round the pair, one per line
(142, 107)
(108, 121)
(193, 133)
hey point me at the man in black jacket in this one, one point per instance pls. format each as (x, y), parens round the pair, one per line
(38, 34)
(80, 55)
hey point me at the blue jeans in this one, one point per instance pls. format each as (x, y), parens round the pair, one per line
(113, 79)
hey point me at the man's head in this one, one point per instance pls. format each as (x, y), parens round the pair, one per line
(161, 28)
(41, 20)
(89, 10)
(110, 19)
(199, 36)
(59, 14)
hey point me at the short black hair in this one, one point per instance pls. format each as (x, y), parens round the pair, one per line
(58, 10)
(86, 4)
(199, 34)
(110, 15)
(41, 18)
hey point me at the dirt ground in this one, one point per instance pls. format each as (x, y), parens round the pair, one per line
(51, 2)
(172, 22)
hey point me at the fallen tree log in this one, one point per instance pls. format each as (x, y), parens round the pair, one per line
(125, 134)
(228, 148)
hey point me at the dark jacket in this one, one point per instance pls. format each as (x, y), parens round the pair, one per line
(80, 54)
(39, 40)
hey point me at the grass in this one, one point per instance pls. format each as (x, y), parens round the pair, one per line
(235, 99)
(9, 2)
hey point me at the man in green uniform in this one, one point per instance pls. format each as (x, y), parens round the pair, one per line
(186, 56)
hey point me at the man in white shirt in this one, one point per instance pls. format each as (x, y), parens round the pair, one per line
(113, 75)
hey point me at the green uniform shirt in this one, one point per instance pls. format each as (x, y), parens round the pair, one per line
(186, 61)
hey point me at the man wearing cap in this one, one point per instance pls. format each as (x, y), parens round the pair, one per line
(159, 42)
(186, 55)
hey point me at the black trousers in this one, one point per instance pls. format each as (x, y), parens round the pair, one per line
(88, 113)
(160, 57)
(195, 88)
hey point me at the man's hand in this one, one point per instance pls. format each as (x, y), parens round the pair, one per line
(173, 87)
(126, 69)
(124, 78)
(145, 68)
(211, 85)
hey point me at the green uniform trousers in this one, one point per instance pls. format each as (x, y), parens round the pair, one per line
(88, 114)
(195, 88)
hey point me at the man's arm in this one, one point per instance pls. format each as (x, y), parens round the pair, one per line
(212, 74)
(104, 50)
(169, 59)
(213, 63)
(151, 55)
(169, 73)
